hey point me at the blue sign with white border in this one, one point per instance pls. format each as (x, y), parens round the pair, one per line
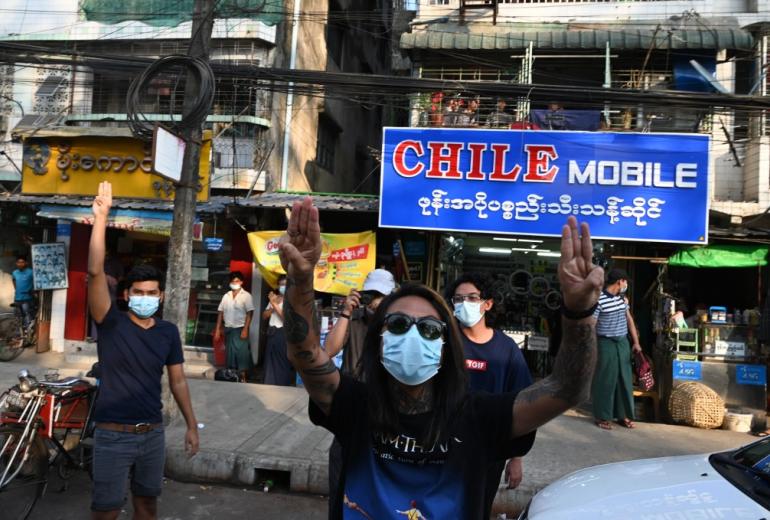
(627, 186)
(751, 375)
(687, 370)
(213, 244)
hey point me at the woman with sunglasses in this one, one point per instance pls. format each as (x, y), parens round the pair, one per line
(412, 436)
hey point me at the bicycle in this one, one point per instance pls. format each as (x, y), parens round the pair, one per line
(14, 337)
(43, 424)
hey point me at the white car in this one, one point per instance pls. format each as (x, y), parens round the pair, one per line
(732, 485)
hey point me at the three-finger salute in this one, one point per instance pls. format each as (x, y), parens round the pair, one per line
(580, 279)
(103, 200)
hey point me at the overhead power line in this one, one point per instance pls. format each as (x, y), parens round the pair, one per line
(22, 53)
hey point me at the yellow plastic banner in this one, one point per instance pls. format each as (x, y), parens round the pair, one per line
(76, 166)
(346, 259)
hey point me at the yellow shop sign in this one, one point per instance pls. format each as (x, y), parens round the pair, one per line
(76, 166)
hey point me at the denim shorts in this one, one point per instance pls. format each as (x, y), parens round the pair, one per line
(118, 455)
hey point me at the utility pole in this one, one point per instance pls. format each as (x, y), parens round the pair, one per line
(180, 242)
(185, 197)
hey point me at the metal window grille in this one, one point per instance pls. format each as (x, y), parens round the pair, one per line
(50, 86)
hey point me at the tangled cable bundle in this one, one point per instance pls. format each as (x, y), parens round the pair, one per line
(141, 126)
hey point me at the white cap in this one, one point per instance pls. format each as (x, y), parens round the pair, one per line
(380, 280)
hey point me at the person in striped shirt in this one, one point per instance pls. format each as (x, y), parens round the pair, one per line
(612, 389)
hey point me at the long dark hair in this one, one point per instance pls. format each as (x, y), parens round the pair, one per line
(449, 384)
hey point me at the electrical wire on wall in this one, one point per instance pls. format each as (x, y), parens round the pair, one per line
(194, 117)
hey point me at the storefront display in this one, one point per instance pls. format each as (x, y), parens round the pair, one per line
(715, 342)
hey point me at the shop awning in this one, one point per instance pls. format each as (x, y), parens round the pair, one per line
(455, 37)
(214, 205)
(721, 256)
(146, 221)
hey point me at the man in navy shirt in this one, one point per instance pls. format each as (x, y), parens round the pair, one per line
(22, 284)
(493, 360)
(133, 347)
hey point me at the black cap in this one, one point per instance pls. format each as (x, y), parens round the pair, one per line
(616, 274)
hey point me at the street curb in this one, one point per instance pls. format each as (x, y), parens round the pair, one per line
(243, 470)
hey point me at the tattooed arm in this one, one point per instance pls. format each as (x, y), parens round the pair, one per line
(300, 251)
(570, 381)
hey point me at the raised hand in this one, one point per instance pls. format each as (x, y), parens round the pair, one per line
(103, 200)
(301, 245)
(581, 281)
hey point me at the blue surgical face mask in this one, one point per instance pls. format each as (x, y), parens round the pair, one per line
(624, 289)
(282, 289)
(468, 313)
(410, 358)
(143, 306)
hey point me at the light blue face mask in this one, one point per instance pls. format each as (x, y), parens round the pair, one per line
(282, 289)
(143, 306)
(468, 313)
(410, 358)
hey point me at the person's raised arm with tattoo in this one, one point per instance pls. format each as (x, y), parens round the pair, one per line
(300, 251)
(569, 383)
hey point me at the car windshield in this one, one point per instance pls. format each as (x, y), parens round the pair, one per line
(747, 468)
(755, 455)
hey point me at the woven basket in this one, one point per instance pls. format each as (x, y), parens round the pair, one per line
(695, 404)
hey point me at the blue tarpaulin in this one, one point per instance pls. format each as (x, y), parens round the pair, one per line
(566, 119)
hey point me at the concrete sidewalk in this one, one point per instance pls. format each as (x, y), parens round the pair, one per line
(253, 431)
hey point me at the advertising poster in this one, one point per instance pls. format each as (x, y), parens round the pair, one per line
(346, 259)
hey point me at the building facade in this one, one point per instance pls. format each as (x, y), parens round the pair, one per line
(323, 143)
(638, 45)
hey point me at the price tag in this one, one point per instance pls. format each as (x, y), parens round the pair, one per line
(751, 375)
(687, 370)
(730, 348)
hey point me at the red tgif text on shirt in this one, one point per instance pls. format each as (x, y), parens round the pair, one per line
(475, 364)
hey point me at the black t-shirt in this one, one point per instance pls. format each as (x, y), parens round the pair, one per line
(384, 474)
(496, 366)
(132, 360)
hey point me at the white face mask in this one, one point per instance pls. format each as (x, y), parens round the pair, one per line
(235, 286)
(144, 306)
(410, 358)
(468, 313)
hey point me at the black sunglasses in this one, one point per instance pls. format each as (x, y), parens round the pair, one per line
(428, 327)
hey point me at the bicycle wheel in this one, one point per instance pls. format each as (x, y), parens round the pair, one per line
(20, 494)
(11, 339)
